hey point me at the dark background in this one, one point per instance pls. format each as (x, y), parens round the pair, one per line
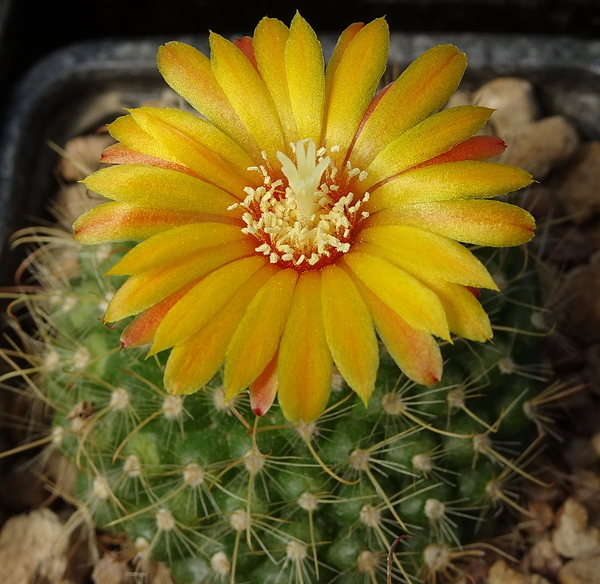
(34, 28)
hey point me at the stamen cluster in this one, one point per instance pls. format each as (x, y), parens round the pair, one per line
(305, 218)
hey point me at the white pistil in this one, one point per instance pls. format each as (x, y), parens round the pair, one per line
(304, 177)
(301, 219)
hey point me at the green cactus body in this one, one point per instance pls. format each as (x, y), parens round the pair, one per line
(221, 496)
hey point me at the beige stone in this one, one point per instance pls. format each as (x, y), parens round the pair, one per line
(73, 200)
(459, 98)
(538, 147)
(541, 202)
(537, 579)
(579, 188)
(591, 374)
(586, 486)
(595, 440)
(573, 538)
(502, 573)
(514, 102)
(579, 309)
(543, 558)
(539, 518)
(578, 453)
(32, 549)
(581, 571)
(162, 575)
(81, 156)
(109, 571)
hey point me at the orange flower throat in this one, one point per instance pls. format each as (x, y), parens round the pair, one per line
(304, 215)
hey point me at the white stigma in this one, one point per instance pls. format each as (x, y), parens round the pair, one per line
(307, 215)
(304, 177)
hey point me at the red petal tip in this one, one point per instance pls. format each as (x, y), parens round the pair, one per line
(259, 411)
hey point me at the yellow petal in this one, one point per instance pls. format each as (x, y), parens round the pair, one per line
(405, 295)
(189, 73)
(263, 389)
(128, 132)
(270, 38)
(449, 181)
(160, 188)
(490, 223)
(199, 145)
(415, 352)
(194, 362)
(144, 290)
(354, 82)
(169, 246)
(304, 363)
(203, 301)
(304, 68)
(257, 337)
(433, 136)
(423, 88)
(417, 251)
(121, 222)
(465, 315)
(462, 311)
(121, 154)
(247, 93)
(338, 53)
(349, 331)
(141, 330)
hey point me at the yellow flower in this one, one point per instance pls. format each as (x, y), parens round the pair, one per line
(301, 214)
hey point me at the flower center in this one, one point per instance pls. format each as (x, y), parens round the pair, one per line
(304, 215)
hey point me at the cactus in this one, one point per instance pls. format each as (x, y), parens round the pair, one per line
(222, 495)
(288, 225)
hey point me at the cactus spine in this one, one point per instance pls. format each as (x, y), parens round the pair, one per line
(222, 496)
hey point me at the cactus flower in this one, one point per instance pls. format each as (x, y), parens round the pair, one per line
(302, 215)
